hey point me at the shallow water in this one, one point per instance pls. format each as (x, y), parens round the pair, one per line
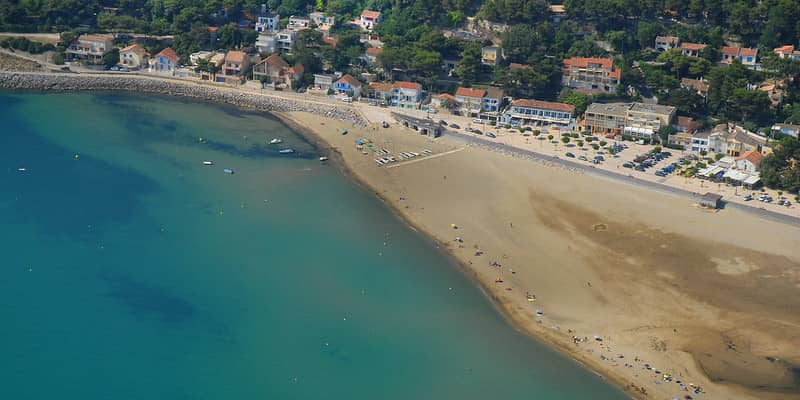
(128, 270)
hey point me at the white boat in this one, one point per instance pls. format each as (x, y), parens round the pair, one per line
(22, 169)
(228, 171)
(276, 141)
(286, 151)
(208, 163)
(323, 158)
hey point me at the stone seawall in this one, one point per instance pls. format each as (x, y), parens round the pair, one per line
(136, 84)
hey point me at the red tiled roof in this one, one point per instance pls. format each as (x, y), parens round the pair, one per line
(381, 86)
(446, 96)
(784, 49)
(213, 29)
(469, 92)
(134, 48)
(693, 46)
(747, 52)
(731, 51)
(349, 80)
(370, 14)
(274, 60)
(546, 105)
(584, 62)
(235, 56)
(753, 156)
(329, 41)
(168, 53)
(408, 85)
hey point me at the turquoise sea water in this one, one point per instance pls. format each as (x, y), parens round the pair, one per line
(132, 271)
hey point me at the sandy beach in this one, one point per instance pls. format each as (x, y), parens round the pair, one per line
(654, 293)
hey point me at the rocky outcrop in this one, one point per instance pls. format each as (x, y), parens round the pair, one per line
(76, 82)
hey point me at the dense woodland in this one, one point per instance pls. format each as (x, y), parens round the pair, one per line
(415, 44)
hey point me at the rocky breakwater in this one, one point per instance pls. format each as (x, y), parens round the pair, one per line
(141, 84)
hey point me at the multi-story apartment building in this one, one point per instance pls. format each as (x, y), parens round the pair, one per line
(91, 48)
(591, 75)
(629, 119)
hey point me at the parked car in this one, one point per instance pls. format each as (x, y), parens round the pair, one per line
(748, 197)
(477, 132)
(627, 165)
(442, 122)
(477, 121)
(347, 100)
(491, 135)
(570, 155)
(583, 158)
(469, 129)
(455, 126)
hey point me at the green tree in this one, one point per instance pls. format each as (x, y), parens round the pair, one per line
(111, 58)
(579, 100)
(664, 132)
(470, 63)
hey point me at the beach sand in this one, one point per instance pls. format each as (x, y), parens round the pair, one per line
(710, 298)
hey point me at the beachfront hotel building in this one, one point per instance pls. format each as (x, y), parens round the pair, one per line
(637, 120)
(537, 112)
(591, 75)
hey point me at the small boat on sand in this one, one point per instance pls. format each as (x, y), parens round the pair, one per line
(276, 141)
(286, 151)
(208, 163)
(228, 171)
(323, 158)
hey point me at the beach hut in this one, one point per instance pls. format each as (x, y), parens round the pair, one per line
(711, 200)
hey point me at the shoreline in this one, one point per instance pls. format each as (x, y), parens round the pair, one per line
(283, 109)
(139, 84)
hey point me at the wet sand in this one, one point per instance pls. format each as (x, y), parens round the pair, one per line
(710, 298)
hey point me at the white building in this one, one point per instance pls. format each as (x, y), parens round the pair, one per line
(298, 22)
(664, 43)
(267, 23)
(323, 82)
(406, 95)
(90, 47)
(537, 112)
(369, 19)
(700, 141)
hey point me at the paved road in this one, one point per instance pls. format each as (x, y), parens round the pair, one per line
(628, 179)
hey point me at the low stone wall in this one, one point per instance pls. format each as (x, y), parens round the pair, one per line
(75, 82)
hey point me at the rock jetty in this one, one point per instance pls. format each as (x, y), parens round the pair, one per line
(64, 82)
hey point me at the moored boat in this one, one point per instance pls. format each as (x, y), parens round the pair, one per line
(208, 163)
(286, 151)
(323, 158)
(228, 171)
(276, 141)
